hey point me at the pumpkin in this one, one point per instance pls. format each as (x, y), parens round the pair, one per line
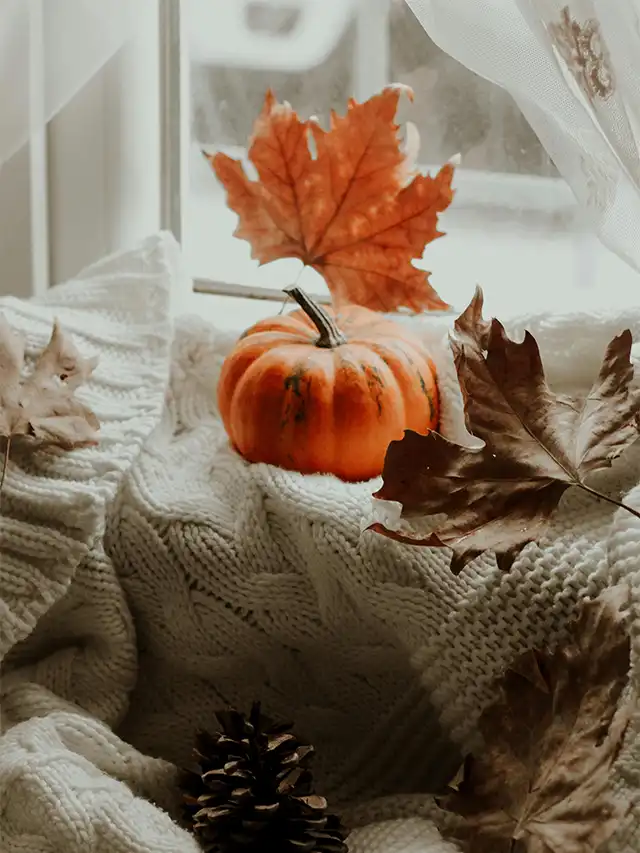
(301, 392)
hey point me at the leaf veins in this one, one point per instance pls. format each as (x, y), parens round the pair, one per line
(354, 212)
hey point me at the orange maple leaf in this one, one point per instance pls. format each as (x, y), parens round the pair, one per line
(353, 210)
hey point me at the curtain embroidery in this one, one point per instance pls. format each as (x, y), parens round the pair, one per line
(583, 49)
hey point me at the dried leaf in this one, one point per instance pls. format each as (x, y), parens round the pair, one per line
(11, 361)
(42, 408)
(471, 325)
(542, 783)
(350, 211)
(536, 444)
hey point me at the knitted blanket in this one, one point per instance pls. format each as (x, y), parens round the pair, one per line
(148, 582)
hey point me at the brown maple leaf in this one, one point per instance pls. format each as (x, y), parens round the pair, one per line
(542, 782)
(536, 445)
(349, 211)
(471, 325)
(41, 408)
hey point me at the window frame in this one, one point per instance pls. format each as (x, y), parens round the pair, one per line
(175, 144)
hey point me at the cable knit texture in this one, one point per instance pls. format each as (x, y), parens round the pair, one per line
(147, 582)
(67, 639)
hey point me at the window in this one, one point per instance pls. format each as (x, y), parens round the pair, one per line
(514, 226)
(79, 140)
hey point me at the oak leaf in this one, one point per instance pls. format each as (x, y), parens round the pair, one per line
(542, 782)
(353, 210)
(41, 408)
(536, 444)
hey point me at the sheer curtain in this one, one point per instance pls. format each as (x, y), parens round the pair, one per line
(573, 68)
(49, 49)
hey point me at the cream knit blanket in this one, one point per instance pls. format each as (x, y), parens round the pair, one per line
(217, 581)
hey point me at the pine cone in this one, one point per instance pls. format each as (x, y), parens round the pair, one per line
(254, 791)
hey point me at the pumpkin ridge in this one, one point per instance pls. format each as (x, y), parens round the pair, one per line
(419, 363)
(292, 383)
(379, 376)
(263, 373)
(281, 336)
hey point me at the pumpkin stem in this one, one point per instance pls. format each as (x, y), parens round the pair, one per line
(330, 334)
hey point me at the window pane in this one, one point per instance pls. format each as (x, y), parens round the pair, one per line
(224, 104)
(457, 111)
(513, 227)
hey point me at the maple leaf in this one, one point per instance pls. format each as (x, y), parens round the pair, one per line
(536, 445)
(471, 325)
(42, 409)
(542, 783)
(350, 211)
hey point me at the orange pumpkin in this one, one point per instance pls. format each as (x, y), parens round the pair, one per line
(302, 393)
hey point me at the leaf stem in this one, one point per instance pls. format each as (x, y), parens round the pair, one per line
(606, 498)
(330, 334)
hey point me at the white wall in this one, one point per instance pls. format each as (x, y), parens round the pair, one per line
(104, 168)
(15, 227)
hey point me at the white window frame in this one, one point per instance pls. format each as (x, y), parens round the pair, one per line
(371, 72)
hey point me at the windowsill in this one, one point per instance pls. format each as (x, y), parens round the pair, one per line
(522, 238)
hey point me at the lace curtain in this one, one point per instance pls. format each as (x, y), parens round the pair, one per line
(574, 71)
(49, 49)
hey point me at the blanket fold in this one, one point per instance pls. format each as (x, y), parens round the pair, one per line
(148, 582)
